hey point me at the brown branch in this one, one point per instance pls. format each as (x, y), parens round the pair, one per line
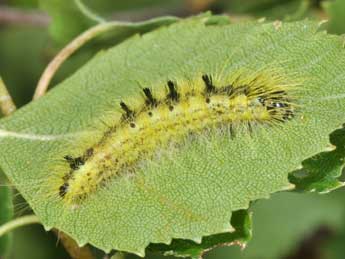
(7, 105)
(24, 17)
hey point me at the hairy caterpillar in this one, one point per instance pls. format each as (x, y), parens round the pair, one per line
(167, 116)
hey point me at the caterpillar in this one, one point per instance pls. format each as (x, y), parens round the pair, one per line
(180, 109)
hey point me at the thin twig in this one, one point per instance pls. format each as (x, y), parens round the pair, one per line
(16, 16)
(7, 105)
(66, 52)
(73, 248)
(18, 222)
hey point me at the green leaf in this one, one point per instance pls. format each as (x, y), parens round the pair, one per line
(336, 12)
(23, 3)
(334, 248)
(270, 9)
(191, 193)
(291, 10)
(32, 242)
(12, 51)
(320, 172)
(6, 214)
(240, 220)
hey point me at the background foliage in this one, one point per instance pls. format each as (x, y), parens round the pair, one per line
(288, 225)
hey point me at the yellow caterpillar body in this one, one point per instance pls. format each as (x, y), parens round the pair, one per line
(171, 114)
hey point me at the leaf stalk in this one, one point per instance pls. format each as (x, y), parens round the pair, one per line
(18, 222)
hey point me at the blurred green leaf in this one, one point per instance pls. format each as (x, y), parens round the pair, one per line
(271, 9)
(334, 249)
(336, 12)
(22, 64)
(24, 3)
(289, 10)
(29, 60)
(33, 242)
(281, 223)
(6, 214)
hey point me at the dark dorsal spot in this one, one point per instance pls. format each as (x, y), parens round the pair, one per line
(63, 189)
(173, 94)
(171, 108)
(132, 124)
(210, 88)
(74, 163)
(150, 114)
(149, 97)
(128, 112)
(208, 100)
